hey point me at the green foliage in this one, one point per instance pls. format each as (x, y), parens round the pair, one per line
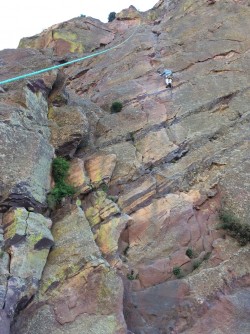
(104, 187)
(60, 168)
(196, 264)
(132, 136)
(207, 256)
(190, 253)
(177, 272)
(231, 224)
(51, 201)
(132, 276)
(116, 107)
(112, 16)
(62, 190)
(78, 202)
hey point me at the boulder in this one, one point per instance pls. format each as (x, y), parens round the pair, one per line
(24, 131)
(128, 162)
(90, 300)
(130, 13)
(136, 194)
(109, 234)
(100, 168)
(74, 246)
(69, 128)
(99, 207)
(77, 176)
(82, 34)
(27, 239)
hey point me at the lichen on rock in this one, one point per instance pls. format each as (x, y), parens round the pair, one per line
(139, 248)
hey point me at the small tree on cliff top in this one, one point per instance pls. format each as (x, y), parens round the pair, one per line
(112, 16)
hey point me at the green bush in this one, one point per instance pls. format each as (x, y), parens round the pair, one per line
(60, 168)
(104, 187)
(132, 276)
(190, 253)
(177, 272)
(62, 190)
(116, 107)
(196, 264)
(112, 16)
(207, 256)
(231, 224)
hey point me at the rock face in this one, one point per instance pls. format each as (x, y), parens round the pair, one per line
(27, 241)
(26, 152)
(138, 249)
(75, 36)
(90, 300)
(69, 127)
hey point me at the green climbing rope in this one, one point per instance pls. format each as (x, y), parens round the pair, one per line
(31, 74)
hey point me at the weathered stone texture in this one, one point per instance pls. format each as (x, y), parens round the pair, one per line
(27, 240)
(75, 36)
(100, 168)
(74, 246)
(77, 176)
(69, 127)
(150, 180)
(91, 300)
(26, 153)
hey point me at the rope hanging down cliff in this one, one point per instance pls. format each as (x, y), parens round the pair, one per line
(23, 76)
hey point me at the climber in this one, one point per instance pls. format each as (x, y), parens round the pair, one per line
(168, 74)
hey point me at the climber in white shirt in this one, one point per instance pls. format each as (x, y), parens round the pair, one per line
(168, 74)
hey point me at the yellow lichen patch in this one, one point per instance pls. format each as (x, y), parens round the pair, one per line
(67, 36)
(35, 259)
(71, 38)
(58, 254)
(59, 276)
(51, 112)
(109, 233)
(104, 289)
(106, 242)
(93, 216)
(15, 223)
(64, 272)
(34, 238)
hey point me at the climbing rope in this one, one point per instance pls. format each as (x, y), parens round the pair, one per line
(20, 77)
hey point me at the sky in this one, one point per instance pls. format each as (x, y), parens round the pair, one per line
(23, 18)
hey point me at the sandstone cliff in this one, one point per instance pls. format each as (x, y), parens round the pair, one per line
(137, 249)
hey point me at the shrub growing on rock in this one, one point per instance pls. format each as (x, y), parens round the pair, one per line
(131, 276)
(177, 272)
(231, 224)
(112, 16)
(207, 256)
(60, 168)
(190, 253)
(197, 264)
(116, 107)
